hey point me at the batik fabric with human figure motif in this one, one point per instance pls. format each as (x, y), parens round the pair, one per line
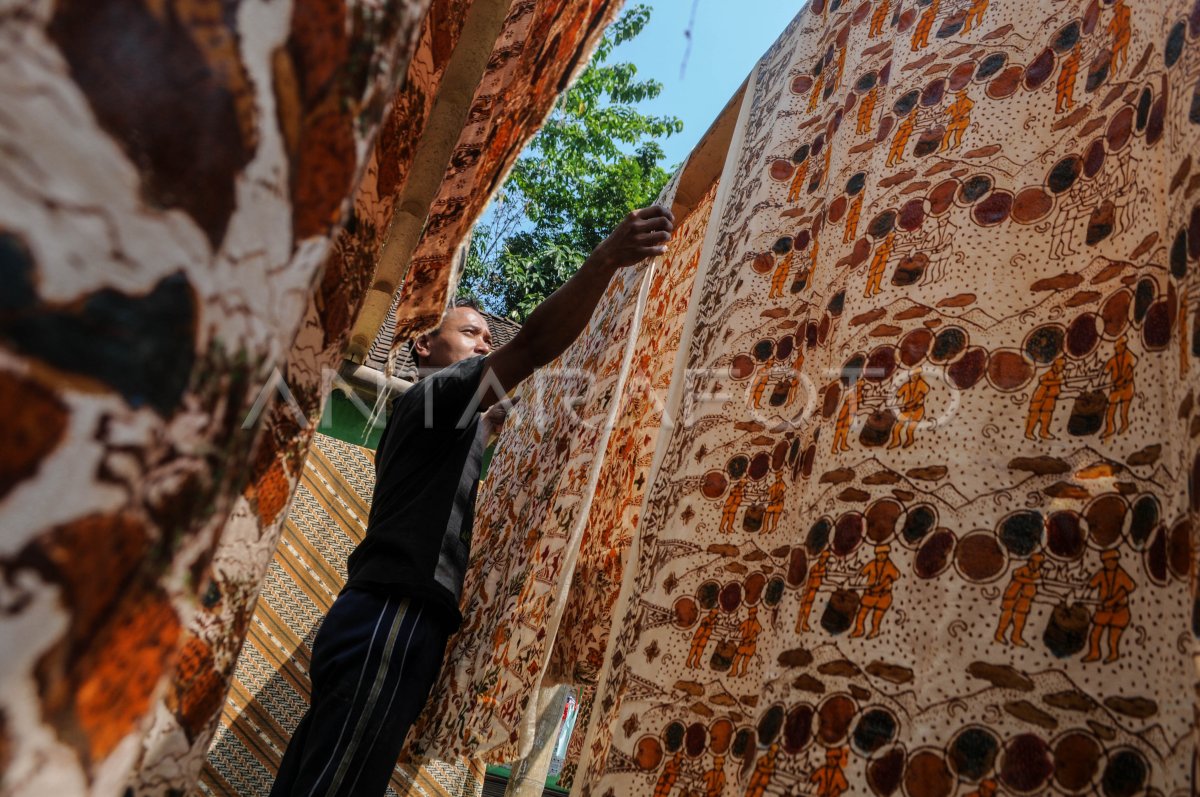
(625, 465)
(528, 522)
(956, 556)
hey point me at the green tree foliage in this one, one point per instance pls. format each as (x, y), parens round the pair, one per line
(596, 158)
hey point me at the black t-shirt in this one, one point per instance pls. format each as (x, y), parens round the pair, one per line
(426, 475)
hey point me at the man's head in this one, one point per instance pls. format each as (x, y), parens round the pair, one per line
(462, 334)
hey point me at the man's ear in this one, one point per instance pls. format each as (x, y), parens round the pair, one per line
(421, 344)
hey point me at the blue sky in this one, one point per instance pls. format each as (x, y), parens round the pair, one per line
(728, 39)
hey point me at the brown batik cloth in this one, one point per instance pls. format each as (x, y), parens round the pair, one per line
(924, 524)
(931, 530)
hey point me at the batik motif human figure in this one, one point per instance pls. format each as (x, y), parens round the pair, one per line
(714, 779)
(987, 788)
(704, 632)
(779, 279)
(1064, 98)
(830, 780)
(800, 175)
(1045, 398)
(879, 17)
(846, 416)
(879, 574)
(853, 215)
(839, 68)
(866, 112)
(748, 633)
(812, 586)
(817, 88)
(904, 132)
(959, 113)
(1120, 370)
(670, 774)
(1118, 28)
(1113, 586)
(764, 769)
(975, 14)
(776, 494)
(765, 372)
(733, 503)
(1018, 600)
(920, 37)
(910, 410)
(878, 267)
(815, 245)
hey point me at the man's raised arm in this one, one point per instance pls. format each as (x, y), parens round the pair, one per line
(557, 321)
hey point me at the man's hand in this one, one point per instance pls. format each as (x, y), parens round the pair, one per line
(641, 234)
(557, 321)
(494, 418)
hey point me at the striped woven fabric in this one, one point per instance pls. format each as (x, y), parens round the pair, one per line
(270, 689)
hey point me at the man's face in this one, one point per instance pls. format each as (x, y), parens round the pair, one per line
(463, 334)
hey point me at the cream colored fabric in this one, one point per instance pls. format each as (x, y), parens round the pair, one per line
(925, 522)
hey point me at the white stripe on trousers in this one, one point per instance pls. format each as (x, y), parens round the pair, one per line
(395, 689)
(376, 688)
(362, 674)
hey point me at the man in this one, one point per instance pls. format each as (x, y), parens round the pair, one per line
(1045, 397)
(830, 779)
(1120, 369)
(380, 649)
(816, 577)
(1018, 600)
(1113, 586)
(880, 574)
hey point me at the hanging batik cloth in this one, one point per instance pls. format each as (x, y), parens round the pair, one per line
(923, 524)
(930, 530)
(541, 563)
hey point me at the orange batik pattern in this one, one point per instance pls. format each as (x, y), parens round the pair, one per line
(526, 525)
(627, 460)
(929, 528)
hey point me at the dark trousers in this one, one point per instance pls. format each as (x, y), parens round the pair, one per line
(374, 661)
